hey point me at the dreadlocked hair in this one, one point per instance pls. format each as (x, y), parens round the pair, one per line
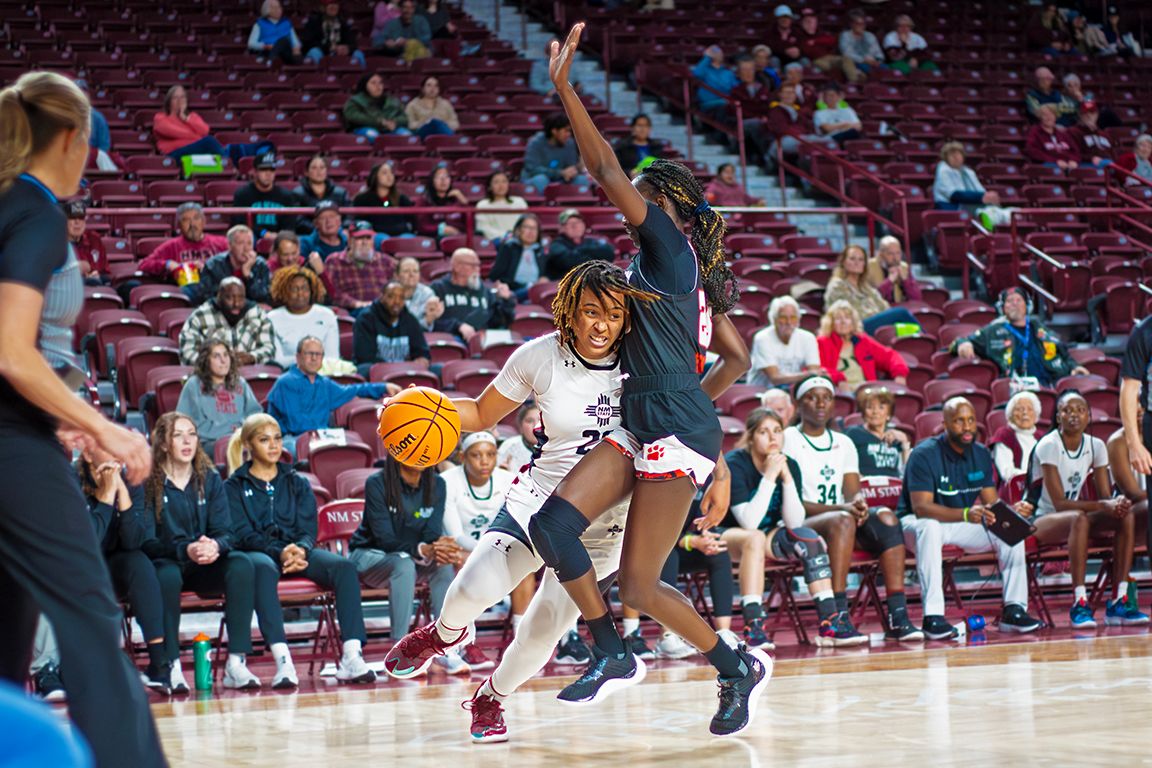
(284, 276)
(394, 485)
(598, 276)
(162, 453)
(677, 183)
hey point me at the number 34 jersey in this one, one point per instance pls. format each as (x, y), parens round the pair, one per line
(824, 461)
(579, 403)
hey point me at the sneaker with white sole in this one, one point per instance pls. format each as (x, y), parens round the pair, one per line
(572, 650)
(476, 658)
(353, 669)
(178, 683)
(738, 696)
(672, 646)
(730, 638)
(452, 662)
(285, 676)
(605, 675)
(488, 725)
(158, 678)
(238, 677)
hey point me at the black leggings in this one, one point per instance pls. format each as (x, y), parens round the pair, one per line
(337, 573)
(134, 577)
(721, 585)
(50, 561)
(248, 582)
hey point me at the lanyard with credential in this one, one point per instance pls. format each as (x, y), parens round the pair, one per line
(1025, 342)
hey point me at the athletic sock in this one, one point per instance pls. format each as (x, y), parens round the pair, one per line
(448, 635)
(1079, 593)
(156, 655)
(605, 635)
(631, 625)
(516, 619)
(352, 648)
(825, 605)
(752, 610)
(896, 602)
(280, 653)
(728, 664)
(235, 660)
(1121, 589)
(486, 689)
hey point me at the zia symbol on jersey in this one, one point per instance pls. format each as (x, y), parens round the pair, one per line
(1074, 482)
(603, 411)
(615, 529)
(827, 472)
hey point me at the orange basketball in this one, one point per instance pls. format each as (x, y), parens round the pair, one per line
(420, 427)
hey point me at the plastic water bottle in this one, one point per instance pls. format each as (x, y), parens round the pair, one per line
(202, 661)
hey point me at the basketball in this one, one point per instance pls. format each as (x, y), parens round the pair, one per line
(420, 427)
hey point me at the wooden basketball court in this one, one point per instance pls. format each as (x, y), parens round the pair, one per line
(1036, 702)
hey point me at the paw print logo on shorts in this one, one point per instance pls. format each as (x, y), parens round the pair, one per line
(655, 453)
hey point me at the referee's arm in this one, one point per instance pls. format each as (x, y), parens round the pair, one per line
(1130, 415)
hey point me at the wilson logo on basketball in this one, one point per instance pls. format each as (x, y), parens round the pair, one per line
(404, 444)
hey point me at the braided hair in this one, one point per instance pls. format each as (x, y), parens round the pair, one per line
(598, 276)
(676, 182)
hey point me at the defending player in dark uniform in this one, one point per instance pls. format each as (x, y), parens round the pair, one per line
(670, 437)
(1135, 393)
(50, 560)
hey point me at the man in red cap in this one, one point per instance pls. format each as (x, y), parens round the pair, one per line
(355, 277)
(1095, 146)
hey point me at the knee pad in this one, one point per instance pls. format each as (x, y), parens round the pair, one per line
(886, 536)
(809, 548)
(555, 532)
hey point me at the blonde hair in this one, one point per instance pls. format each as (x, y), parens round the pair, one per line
(950, 147)
(841, 307)
(838, 270)
(237, 444)
(33, 112)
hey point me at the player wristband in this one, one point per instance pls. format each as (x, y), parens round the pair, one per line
(687, 542)
(966, 514)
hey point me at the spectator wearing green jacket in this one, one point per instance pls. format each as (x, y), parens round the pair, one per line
(370, 112)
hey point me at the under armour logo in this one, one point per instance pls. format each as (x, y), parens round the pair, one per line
(569, 363)
(499, 544)
(655, 453)
(615, 529)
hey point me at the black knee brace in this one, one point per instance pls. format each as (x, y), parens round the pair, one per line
(555, 532)
(807, 546)
(883, 536)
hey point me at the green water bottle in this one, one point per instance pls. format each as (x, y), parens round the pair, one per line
(202, 662)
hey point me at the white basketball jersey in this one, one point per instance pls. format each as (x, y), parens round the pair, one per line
(1075, 468)
(579, 404)
(823, 463)
(467, 509)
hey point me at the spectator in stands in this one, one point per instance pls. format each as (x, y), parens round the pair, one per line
(1074, 92)
(386, 332)
(99, 135)
(851, 357)
(302, 400)
(382, 13)
(949, 488)
(327, 235)
(780, 401)
(381, 190)
(574, 246)
(1048, 143)
(1044, 356)
(520, 259)
(1078, 33)
(372, 112)
(822, 49)
(469, 305)
(215, 397)
(355, 276)
(86, 244)
(889, 274)
(882, 449)
(1047, 32)
(407, 36)
(193, 247)
(286, 253)
(754, 99)
(516, 452)
(724, 190)
(552, 156)
(1066, 463)
(494, 226)
(1012, 444)
(1046, 93)
(298, 295)
(420, 299)
(834, 118)
(907, 50)
(639, 145)
(765, 74)
(316, 186)
(794, 76)
(1110, 38)
(713, 72)
(263, 192)
(179, 132)
(860, 45)
(401, 539)
(850, 283)
(326, 34)
(956, 185)
(1093, 144)
(439, 20)
(788, 123)
(430, 114)
(783, 352)
(273, 512)
(440, 192)
(239, 261)
(191, 543)
(229, 317)
(1138, 161)
(783, 37)
(272, 35)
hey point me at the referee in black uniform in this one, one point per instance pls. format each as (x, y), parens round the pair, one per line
(1135, 393)
(49, 558)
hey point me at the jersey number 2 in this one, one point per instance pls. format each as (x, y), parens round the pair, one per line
(593, 438)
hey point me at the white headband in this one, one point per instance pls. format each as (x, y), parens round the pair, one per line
(474, 438)
(815, 382)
